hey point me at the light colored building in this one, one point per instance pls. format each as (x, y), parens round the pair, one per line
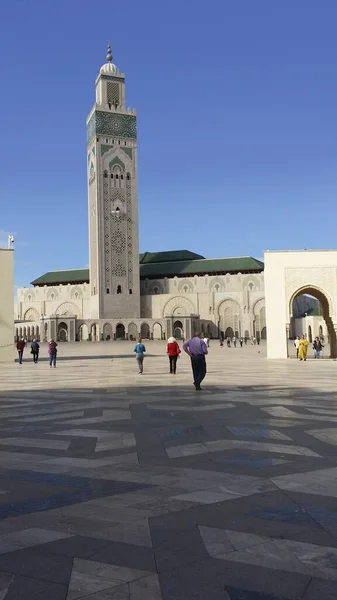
(293, 273)
(125, 294)
(6, 305)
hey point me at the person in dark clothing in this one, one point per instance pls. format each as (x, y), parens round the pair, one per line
(34, 350)
(173, 352)
(197, 350)
(20, 346)
(318, 347)
(52, 351)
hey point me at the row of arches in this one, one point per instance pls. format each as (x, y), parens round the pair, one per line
(29, 333)
(119, 332)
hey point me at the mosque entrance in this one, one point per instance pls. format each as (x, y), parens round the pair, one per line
(325, 304)
(178, 330)
(62, 332)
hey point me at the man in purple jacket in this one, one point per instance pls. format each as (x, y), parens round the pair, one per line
(197, 350)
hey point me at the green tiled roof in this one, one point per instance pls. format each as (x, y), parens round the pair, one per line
(241, 264)
(63, 277)
(170, 256)
(153, 267)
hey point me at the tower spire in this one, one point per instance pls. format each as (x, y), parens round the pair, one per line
(109, 54)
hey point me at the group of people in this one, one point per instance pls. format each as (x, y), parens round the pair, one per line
(301, 345)
(35, 351)
(196, 348)
(234, 340)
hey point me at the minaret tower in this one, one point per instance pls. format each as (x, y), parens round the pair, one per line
(113, 199)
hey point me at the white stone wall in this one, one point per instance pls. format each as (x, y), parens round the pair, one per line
(6, 305)
(289, 273)
(243, 294)
(50, 300)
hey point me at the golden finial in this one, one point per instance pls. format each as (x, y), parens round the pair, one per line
(109, 55)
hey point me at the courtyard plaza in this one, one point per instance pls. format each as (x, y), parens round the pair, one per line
(116, 486)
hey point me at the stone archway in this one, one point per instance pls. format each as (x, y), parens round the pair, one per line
(83, 332)
(145, 331)
(326, 304)
(120, 332)
(157, 331)
(107, 331)
(132, 331)
(229, 315)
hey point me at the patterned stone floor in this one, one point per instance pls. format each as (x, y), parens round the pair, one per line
(116, 486)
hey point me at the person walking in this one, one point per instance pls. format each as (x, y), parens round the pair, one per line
(34, 350)
(241, 342)
(318, 347)
(52, 351)
(296, 344)
(20, 346)
(303, 348)
(234, 341)
(197, 350)
(228, 342)
(140, 350)
(173, 352)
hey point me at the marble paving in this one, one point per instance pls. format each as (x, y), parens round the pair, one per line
(116, 486)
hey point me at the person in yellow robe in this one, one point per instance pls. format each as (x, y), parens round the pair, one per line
(303, 348)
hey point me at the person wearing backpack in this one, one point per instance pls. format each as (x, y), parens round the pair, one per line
(34, 350)
(140, 350)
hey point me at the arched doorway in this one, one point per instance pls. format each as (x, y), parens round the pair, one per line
(325, 304)
(264, 333)
(132, 331)
(157, 331)
(120, 332)
(94, 332)
(83, 333)
(62, 332)
(178, 330)
(145, 331)
(107, 332)
(229, 333)
(310, 334)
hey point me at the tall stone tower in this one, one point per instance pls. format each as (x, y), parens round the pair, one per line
(113, 199)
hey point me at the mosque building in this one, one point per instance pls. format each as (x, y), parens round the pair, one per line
(125, 294)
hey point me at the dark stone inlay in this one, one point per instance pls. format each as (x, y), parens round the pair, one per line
(181, 432)
(287, 514)
(236, 594)
(81, 490)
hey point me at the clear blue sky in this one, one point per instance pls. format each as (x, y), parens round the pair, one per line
(237, 123)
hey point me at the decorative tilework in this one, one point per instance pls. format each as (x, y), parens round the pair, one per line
(128, 151)
(102, 123)
(105, 148)
(113, 78)
(116, 161)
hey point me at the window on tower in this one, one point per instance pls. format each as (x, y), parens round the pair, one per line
(108, 290)
(116, 176)
(128, 176)
(122, 176)
(130, 291)
(119, 289)
(105, 173)
(111, 176)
